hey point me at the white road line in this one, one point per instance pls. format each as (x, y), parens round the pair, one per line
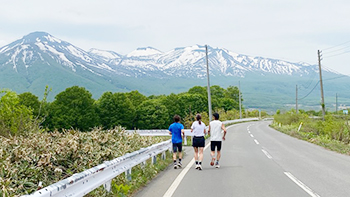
(251, 135)
(301, 184)
(179, 178)
(248, 131)
(256, 141)
(266, 153)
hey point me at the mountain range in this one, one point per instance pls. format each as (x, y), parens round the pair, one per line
(40, 59)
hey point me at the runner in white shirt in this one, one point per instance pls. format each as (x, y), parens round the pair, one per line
(216, 128)
(198, 129)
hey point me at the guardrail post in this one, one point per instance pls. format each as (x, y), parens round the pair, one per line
(185, 140)
(163, 155)
(128, 174)
(108, 185)
(154, 159)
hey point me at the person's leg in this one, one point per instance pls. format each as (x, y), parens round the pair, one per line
(218, 156)
(174, 155)
(195, 153)
(218, 151)
(200, 152)
(180, 154)
(212, 152)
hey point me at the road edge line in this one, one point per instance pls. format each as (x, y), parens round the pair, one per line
(179, 178)
(301, 185)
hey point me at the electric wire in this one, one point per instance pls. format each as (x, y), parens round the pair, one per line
(309, 92)
(338, 49)
(337, 54)
(336, 46)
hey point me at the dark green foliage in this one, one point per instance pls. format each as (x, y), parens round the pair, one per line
(173, 105)
(198, 90)
(30, 100)
(73, 108)
(193, 103)
(116, 110)
(136, 98)
(151, 114)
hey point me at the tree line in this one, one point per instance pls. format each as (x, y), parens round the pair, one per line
(75, 108)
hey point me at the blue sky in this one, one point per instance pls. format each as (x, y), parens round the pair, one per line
(291, 30)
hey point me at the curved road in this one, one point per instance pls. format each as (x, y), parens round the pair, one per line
(258, 161)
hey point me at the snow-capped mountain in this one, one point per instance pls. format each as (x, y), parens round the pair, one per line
(189, 62)
(42, 48)
(40, 59)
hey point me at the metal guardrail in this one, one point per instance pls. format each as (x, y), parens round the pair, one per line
(164, 132)
(82, 183)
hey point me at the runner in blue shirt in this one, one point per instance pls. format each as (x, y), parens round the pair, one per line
(175, 130)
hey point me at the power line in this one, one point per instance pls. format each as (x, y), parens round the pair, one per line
(309, 92)
(336, 46)
(337, 49)
(337, 54)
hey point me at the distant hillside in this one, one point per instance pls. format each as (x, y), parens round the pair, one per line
(40, 59)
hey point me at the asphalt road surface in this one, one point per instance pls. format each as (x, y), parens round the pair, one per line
(258, 161)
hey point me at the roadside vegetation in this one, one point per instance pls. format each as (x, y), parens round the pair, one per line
(47, 157)
(333, 133)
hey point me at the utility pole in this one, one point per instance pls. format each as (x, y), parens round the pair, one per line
(296, 99)
(239, 97)
(208, 87)
(321, 84)
(336, 103)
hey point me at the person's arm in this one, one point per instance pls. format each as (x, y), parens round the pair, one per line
(223, 128)
(170, 132)
(183, 133)
(209, 130)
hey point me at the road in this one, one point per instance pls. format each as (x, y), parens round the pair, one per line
(258, 161)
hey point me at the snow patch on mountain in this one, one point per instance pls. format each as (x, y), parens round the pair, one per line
(144, 52)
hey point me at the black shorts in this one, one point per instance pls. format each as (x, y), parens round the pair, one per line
(214, 144)
(198, 141)
(177, 147)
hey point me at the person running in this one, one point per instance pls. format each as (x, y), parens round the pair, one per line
(176, 130)
(198, 129)
(216, 127)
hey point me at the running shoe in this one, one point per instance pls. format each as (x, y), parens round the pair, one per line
(199, 167)
(179, 164)
(175, 166)
(217, 165)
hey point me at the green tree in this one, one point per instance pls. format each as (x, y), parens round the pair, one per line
(192, 103)
(30, 100)
(15, 118)
(73, 108)
(217, 92)
(116, 110)
(173, 105)
(136, 98)
(228, 104)
(151, 114)
(233, 93)
(198, 90)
